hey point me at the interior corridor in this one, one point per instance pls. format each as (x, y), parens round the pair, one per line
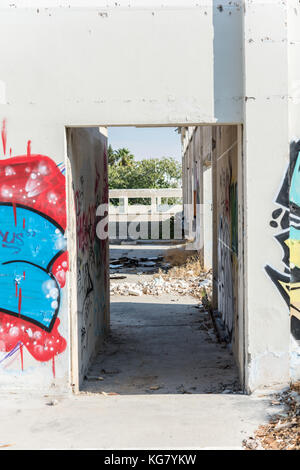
(158, 344)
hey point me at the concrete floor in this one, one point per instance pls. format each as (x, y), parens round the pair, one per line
(130, 421)
(167, 384)
(161, 345)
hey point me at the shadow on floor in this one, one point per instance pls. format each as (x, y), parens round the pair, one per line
(162, 345)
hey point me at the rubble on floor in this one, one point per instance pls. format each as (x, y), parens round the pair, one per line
(186, 279)
(283, 431)
(126, 262)
(159, 285)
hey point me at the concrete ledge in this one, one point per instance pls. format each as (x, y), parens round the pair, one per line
(146, 242)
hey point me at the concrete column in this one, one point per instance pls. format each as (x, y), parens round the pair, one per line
(207, 218)
(266, 156)
(188, 203)
(200, 213)
(294, 138)
(125, 205)
(153, 204)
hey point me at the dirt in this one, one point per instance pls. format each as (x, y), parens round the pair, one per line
(178, 272)
(283, 430)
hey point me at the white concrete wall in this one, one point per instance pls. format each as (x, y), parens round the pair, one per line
(207, 218)
(89, 275)
(228, 60)
(88, 52)
(88, 63)
(266, 155)
(294, 69)
(197, 149)
(31, 356)
(293, 18)
(92, 63)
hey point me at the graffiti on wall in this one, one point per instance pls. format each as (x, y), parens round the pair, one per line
(90, 189)
(33, 256)
(227, 244)
(225, 278)
(287, 218)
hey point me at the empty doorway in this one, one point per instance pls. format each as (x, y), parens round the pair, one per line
(172, 329)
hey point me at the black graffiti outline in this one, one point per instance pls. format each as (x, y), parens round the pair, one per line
(24, 317)
(47, 270)
(292, 214)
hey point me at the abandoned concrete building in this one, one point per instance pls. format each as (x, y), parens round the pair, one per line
(228, 75)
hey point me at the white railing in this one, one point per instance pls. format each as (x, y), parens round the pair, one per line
(155, 195)
(154, 219)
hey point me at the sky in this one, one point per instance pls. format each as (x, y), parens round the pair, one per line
(146, 142)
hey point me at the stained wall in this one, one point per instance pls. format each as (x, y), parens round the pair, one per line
(86, 148)
(187, 63)
(227, 228)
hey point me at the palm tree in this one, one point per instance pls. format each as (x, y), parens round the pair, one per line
(111, 156)
(123, 157)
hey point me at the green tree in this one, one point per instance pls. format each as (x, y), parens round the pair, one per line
(127, 173)
(110, 156)
(154, 173)
(121, 157)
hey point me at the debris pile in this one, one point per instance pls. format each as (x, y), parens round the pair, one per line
(156, 286)
(283, 431)
(186, 279)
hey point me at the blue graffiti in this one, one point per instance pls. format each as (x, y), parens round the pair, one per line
(295, 183)
(29, 245)
(32, 237)
(39, 292)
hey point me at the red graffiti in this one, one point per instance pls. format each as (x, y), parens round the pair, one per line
(4, 136)
(33, 181)
(60, 268)
(29, 148)
(43, 346)
(105, 191)
(97, 179)
(86, 228)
